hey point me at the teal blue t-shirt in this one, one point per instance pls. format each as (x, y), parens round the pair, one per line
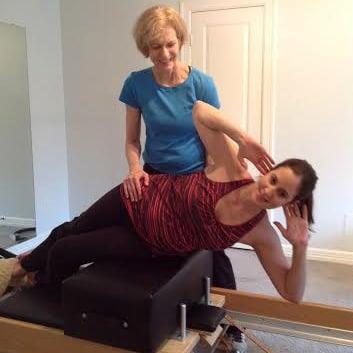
(172, 143)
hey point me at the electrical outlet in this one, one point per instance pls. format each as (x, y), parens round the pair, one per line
(348, 224)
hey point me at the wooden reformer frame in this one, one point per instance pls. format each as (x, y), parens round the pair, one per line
(265, 313)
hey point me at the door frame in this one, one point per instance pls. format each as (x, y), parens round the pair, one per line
(188, 7)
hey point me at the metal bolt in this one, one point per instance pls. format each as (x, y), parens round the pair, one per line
(182, 321)
(207, 286)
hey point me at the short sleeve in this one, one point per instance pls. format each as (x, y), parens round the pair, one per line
(128, 93)
(210, 94)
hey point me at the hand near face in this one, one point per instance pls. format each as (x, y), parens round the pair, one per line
(132, 184)
(297, 232)
(255, 153)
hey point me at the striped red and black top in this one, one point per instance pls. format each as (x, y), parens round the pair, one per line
(177, 214)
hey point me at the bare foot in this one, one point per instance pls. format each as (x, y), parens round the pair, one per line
(18, 271)
(31, 281)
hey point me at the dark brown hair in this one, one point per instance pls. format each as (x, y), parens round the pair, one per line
(309, 178)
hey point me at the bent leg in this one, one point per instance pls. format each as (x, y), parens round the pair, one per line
(69, 253)
(223, 275)
(108, 211)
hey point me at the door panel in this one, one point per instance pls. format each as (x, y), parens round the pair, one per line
(228, 45)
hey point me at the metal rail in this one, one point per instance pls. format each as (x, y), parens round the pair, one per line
(294, 329)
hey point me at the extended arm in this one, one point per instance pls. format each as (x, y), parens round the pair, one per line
(132, 186)
(289, 279)
(132, 138)
(218, 132)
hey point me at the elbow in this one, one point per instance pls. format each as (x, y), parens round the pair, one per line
(133, 141)
(132, 145)
(293, 298)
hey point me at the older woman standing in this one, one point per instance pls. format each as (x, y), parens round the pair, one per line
(164, 95)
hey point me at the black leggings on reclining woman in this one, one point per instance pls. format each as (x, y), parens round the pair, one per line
(103, 231)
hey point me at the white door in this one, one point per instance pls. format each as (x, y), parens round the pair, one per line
(231, 41)
(228, 45)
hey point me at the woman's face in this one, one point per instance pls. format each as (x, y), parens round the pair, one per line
(164, 50)
(277, 188)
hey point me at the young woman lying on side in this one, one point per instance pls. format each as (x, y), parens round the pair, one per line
(212, 209)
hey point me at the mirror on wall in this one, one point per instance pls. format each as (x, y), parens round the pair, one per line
(17, 211)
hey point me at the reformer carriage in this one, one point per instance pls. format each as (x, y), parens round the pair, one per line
(120, 307)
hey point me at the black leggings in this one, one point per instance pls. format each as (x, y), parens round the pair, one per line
(102, 232)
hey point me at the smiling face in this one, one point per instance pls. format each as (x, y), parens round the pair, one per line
(164, 50)
(277, 188)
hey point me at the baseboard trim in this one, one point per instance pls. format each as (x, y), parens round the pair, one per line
(17, 222)
(28, 245)
(315, 254)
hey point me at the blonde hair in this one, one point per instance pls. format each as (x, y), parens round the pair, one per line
(152, 21)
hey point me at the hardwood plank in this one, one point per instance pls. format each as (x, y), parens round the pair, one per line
(305, 312)
(178, 346)
(23, 337)
(218, 300)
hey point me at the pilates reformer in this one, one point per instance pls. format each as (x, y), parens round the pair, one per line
(112, 306)
(33, 320)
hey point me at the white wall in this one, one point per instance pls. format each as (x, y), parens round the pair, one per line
(314, 106)
(313, 98)
(16, 171)
(98, 54)
(44, 53)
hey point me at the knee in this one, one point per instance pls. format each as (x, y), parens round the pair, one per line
(58, 253)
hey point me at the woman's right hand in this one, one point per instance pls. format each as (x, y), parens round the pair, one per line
(132, 184)
(255, 153)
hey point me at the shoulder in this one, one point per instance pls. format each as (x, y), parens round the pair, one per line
(199, 76)
(263, 234)
(140, 75)
(222, 173)
(205, 87)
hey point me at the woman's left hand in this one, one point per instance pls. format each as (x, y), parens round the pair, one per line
(297, 232)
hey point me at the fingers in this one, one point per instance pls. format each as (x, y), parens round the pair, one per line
(280, 227)
(292, 209)
(137, 189)
(126, 193)
(132, 189)
(295, 210)
(261, 168)
(305, 212)
(286, 210)
(146, 179)
(265, 164)
(270, 159)
(132, 185)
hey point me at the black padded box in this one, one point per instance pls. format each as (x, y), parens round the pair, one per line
(133, 305)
